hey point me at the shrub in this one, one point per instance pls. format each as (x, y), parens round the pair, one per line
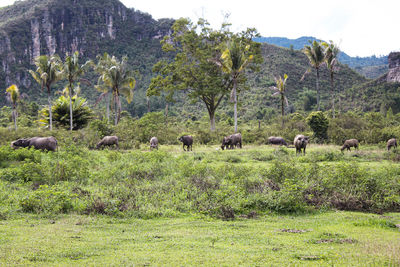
(61, 115)
(319, 124)
(48, 200)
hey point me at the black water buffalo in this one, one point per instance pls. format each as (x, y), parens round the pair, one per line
(391, 143)
(232, 141)
(187, 141)
(350, 143)
(273, 140)
(154, 143)
(43, 143)
(108, 141)
(300, 142)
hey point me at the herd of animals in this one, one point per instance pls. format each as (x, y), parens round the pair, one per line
(229, 142)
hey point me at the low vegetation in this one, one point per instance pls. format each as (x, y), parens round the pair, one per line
(256, 205)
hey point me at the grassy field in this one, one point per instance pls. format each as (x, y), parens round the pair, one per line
(257, 206)
(328, 238)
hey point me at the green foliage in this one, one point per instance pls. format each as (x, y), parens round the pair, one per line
(48, 200)
(82, 114)
(117, 78)
(319, 123)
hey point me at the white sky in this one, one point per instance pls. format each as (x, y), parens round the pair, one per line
(360, 27)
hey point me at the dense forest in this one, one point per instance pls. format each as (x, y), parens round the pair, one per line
(31, 28)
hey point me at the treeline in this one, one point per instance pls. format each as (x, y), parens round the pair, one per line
(135, 133)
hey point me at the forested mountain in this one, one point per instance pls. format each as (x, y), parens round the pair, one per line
(33, 27)
(371, 67)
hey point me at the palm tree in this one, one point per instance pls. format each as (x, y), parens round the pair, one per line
(234, 60)
(280, 89)
(48, 71)
(115, 75)
(331, 54)
(13, 96)
(73, 71)
(315, 54)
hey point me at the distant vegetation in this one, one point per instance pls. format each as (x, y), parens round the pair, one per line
(371, 67)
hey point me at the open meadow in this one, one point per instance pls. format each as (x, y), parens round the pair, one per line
(260, 205)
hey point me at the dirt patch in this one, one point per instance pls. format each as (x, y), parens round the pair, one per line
(295, 231)
(336, 241)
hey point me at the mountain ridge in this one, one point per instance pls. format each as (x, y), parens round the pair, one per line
(94, 27)
(371, 67)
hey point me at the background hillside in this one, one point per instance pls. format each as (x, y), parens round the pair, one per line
(33, 27)
(371, 67)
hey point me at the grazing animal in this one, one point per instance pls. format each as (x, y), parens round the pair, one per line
(277, 141)
(187, 141)
(154, 143)
(226, 142)
(108, 141)
(350, 143)
(232, 141)
(43, 143)
(300, 142)
(391, 143)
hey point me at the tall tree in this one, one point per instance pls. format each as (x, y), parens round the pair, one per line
(316, 56)
(13, 96)
(48, 71)
(73, 71)
(237, 55)
(280, 89)
(192, 70)
(331, 55)
(115, 76)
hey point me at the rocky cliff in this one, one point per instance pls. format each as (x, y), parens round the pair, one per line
(34, 27)
(394, 67)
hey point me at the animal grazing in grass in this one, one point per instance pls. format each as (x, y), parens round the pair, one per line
(300, 142)
(232, 141)
(350, 143)
(187, 141)
(43, 143)
(391, 143)
(108, 141)
(273, 140)
(153, 143)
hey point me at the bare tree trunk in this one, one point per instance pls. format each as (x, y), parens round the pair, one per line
(14, 115)
(235, 104)
(166, 114)
(283, 109)
(148, 104)
(70, 107)
(318, 98)
(116, 109)
(108, 107)
(212, 120)
(50, 113)
(333, 97)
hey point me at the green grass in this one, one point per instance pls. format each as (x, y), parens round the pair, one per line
(256, 206)
(348, 239)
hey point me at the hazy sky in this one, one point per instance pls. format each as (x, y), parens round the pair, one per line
(360, 27)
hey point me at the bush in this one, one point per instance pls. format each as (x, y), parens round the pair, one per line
(48, 200)
(319, 124)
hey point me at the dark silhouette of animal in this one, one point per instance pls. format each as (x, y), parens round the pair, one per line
(43, 143)
(300, 142)
(350, 143)
(187, 141)
(391, 143)
(232, 141)
(154, 143)
(108, 141)
(277, 141)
